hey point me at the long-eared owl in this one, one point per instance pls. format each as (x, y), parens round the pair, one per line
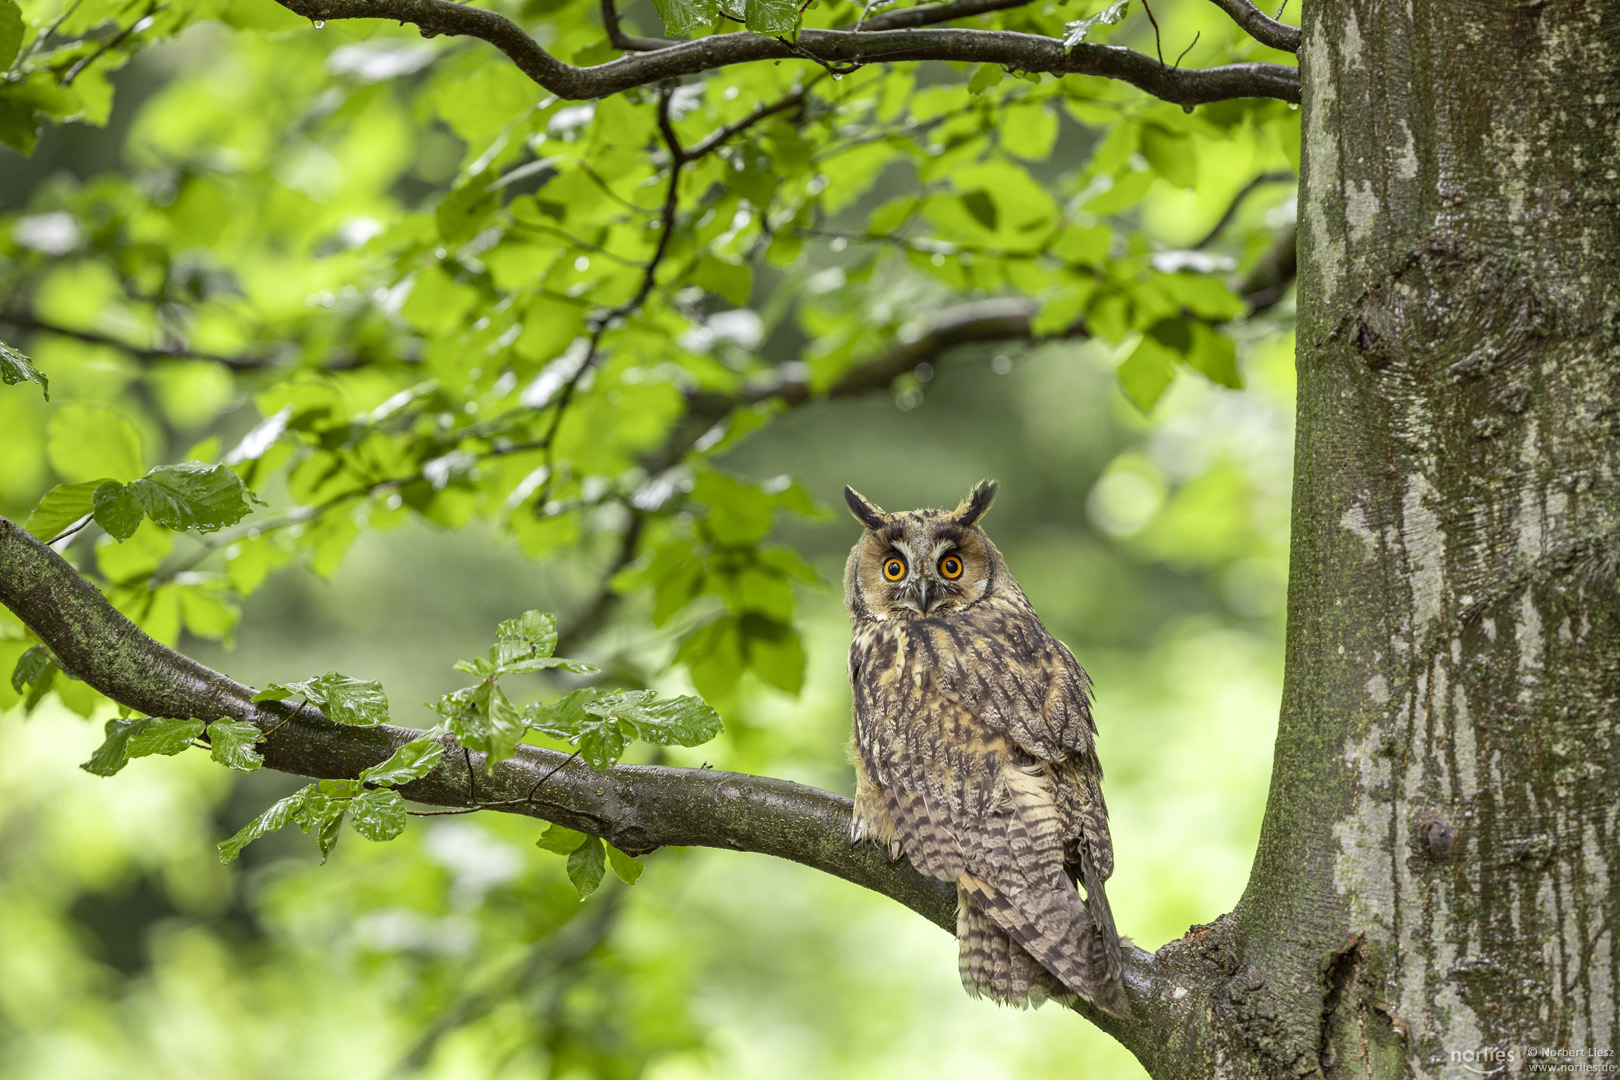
(974, 753)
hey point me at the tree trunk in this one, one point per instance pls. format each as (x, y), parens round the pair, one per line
(1433, 884)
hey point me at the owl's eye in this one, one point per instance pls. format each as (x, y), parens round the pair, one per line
(894, 569)
(950, 568)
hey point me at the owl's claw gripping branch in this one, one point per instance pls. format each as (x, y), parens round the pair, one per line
(1015, 51)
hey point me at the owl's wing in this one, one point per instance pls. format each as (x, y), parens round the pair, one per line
(1018, 679)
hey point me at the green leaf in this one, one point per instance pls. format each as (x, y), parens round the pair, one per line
(1215, 356)
(31, 665)
(323, 811)
(984, 77)
(982, 207)
(537, 630)
(14, 366)
(61, 507)
(1147, 372)
(770, 16)
(1077, 30)
(117, 510)
(410, 762)
(127, 739)
(360, 703)
(585, 866)
(1172, 155)
(730, 279)
(192, 495)
(627, 867)
(232, 742)
(683, 721)
(282, 813)
(162, 735)
(113, 753)
(683, 17)
(92, 442)
(378, 815)
(560, 839)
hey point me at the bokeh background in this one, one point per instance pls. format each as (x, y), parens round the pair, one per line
(1154, 545)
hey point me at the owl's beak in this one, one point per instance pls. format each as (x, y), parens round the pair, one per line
(919, 594)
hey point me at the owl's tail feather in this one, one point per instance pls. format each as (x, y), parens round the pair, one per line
(1048, 926)
(995, 966)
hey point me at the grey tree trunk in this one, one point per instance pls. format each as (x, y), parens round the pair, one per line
(1436, 883)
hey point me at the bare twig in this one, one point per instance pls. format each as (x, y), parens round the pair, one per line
(110, 44)
(1023, 52)
(140, 352)
(1158, 46)
(1237, 203)
(627, 42)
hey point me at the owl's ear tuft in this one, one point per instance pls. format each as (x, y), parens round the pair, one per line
(864, 510)
(972, 508)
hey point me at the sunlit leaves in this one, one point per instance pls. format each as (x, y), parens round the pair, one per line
(359, 702)
(410, 762)
(232, 744)
(378, 815)
(587, 857)
(89, 442)
(1077, 31)
(61, 507)
(280, 814)
(128, 739)
(603, 724)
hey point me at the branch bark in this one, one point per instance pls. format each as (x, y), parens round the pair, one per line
(1260, 26)
(1017, 51)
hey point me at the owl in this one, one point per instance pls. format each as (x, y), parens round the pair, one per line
(974, 754)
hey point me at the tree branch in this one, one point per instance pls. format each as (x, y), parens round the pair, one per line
(1021, 52)
(140, 352)
(637, 808)
(1260, 26)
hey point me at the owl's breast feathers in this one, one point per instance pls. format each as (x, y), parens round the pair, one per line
(977, 730)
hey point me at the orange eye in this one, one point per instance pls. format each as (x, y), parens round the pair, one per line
(894, 569)
(950, 568)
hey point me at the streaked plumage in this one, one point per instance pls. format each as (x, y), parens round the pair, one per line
(974, 753)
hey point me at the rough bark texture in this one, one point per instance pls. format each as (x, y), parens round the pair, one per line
(1433, 885)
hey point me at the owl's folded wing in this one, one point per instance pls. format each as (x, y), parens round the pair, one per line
(1011, 673)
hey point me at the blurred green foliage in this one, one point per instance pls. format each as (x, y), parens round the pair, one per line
(353, 351)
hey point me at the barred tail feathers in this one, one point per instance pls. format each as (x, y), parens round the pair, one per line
(1052, 927)
(993, 965)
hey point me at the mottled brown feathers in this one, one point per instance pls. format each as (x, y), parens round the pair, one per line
(975, 757)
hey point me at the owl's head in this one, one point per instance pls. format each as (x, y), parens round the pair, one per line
(920, 562)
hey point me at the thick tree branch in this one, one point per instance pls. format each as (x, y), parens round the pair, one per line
(1021, 52)
(1260, 26)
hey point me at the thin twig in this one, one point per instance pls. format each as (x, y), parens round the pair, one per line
(627, 42)
(1158, 47)
(1188, 49)
(140, 352)
(1237, 202)
(110, 44)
